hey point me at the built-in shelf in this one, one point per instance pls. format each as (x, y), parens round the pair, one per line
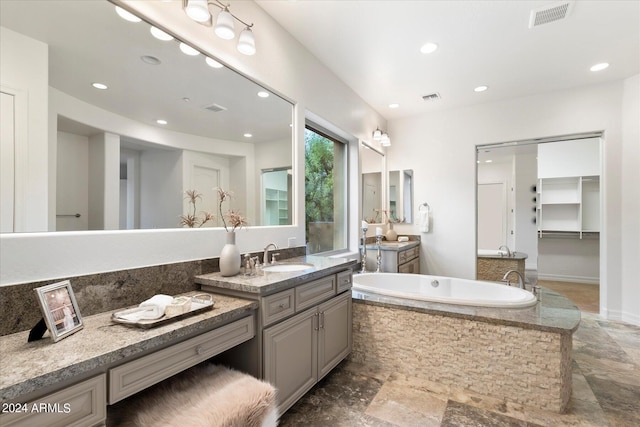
(568, 204)
(277, 207)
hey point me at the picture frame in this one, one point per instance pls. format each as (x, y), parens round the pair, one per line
(60, 309)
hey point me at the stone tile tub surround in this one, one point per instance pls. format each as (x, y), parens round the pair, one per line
(98, 293)
(517, 355)
(494, 267)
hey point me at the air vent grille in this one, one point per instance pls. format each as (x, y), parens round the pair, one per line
(550, 13)
(431, 97)
(215, 108)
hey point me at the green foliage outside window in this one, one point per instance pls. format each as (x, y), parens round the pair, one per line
(319, 183)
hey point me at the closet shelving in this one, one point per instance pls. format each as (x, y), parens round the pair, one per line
(568, 205)
(277, 207)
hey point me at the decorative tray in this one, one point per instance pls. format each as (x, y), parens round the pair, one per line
(196, 304)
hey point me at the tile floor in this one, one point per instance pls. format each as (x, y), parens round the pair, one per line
(606, 391)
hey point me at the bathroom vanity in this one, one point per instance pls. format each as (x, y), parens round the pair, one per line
(71, 382)
(304, 322)
(397, 257)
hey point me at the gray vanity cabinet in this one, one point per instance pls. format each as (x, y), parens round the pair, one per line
(301, 350)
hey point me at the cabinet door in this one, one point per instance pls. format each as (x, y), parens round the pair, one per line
(334, 339)
(291, 357)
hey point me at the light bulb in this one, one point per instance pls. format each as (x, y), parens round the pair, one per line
(246, 42)
(224, 25)
(197, 10)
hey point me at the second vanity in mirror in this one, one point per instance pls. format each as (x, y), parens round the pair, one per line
(122, 157)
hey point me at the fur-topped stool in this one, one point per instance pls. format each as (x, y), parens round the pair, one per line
(203, 396)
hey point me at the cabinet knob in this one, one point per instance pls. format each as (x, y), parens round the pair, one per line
(281, 305)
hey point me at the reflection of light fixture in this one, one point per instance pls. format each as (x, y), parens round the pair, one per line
(377, 134)
(213, 63)
(160, 35)
(198, 10)
(188, 50)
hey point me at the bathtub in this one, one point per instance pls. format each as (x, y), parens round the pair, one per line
(446, 290)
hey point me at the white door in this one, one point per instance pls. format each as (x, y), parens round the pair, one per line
(492, 216)
(7, 162)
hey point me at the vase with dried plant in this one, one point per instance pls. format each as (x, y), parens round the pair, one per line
(230, 256)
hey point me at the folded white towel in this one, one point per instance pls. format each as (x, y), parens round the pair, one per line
(155, 306)
(423, 219)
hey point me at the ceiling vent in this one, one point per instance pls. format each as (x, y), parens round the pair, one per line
(550, 13)
(215, 108)
(431, 97)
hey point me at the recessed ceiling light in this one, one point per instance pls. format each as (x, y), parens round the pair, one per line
(161, 122)
(481, 88)
(100, 86)
(394, 105)
(151, 60)
(247, 135)
(188, 50)
(186, 99)
(599, 67)
(488, 161)
(263, 94)
(213, 63)
(428, 48)
(127, 15)
(160, 35)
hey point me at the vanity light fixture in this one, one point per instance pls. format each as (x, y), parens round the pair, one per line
(198, 10)
(381, 136)
(377, 134)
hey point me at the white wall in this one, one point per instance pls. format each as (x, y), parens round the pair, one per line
(445, 175)
(526, 237)
(280, 64)
(24, 63)
(630, 206)
(72, 182)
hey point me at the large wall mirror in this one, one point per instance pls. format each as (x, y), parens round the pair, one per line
(170, 120)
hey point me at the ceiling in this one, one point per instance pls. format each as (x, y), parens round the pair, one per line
(374, 47)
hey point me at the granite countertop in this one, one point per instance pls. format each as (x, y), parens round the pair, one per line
(27, 367)
(271, 282)
(553, 313)
(393, 246)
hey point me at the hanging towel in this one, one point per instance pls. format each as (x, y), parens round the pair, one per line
(423, 219)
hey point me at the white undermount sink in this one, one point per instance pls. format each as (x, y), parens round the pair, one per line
(286, 267)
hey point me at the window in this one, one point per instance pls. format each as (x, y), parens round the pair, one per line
(325, 192)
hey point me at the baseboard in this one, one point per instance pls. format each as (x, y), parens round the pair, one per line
(620, 316)
(574, 279)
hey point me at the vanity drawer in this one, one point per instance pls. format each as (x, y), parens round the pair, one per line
(412, 267)
(314, 292)
(344, 280)
(83, 404)
(277, 306)
(141, 373)
(408, 255)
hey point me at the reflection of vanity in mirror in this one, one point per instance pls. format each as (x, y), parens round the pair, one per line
(122, 157)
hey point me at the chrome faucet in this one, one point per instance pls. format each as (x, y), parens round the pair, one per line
(509, 254)
(520, 278)
(265, 256)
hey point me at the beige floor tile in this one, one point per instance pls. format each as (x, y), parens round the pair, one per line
(407, 406)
